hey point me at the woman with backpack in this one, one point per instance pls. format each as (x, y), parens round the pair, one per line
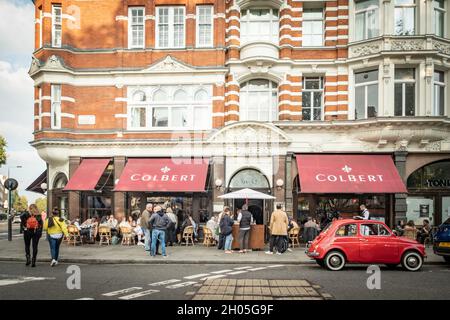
(56, 229)
(32, 231)
(226, 229)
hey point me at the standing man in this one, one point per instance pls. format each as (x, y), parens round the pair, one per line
(365, 213)
(159, 222)
(245, 219)
(145, 218)
(278, 227)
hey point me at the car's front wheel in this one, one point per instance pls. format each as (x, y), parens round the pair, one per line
(412, 261)
(447, 259)
(334, 261)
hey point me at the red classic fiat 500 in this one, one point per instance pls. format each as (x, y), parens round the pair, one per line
(364, 242)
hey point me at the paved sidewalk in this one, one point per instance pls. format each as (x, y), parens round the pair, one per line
(118, 254)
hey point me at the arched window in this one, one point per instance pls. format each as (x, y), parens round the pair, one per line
(201, 95)
(249, 178)
(160, 96)
(258, 100)
(259, 24)
(60, 181)
(139, 96)
(180, 95)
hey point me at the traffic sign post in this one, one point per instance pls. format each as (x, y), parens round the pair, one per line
(10, 185)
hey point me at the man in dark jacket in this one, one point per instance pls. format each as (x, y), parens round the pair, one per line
(159, 223)
(245, 219)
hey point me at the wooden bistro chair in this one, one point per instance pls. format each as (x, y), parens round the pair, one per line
(127, 236)
(74, 236)
(188, 235)
(208, 238)
(104, 233)
(294, 234)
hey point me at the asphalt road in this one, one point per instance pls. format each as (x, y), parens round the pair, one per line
(102, 281)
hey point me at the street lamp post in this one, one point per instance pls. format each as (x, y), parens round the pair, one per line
(11, 186)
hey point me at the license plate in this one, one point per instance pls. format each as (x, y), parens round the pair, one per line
(444, 244)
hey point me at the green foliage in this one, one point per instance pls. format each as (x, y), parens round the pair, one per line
(2, 151)
(20, 203)
(41, 203)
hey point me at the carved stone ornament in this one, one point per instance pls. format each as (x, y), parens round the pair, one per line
(441, 47)
(365, 50)
(169, 64)
(407, 45)
(434, 146)
(35, 65)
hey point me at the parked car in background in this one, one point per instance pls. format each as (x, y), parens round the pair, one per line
(3, 216)
(441, 241)
(356, 241)
(16, 218)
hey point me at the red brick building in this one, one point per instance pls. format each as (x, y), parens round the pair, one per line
(250, 87)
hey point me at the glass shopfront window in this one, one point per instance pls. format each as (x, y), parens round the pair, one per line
(419, 209)
(98, 206)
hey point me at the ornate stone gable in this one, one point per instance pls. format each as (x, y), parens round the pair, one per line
(169, 65)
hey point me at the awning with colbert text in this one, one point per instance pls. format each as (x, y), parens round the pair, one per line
(164, 175)
(348, 174)
(87, 175)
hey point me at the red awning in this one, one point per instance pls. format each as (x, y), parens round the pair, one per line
(164, 174)
(87, 175)
(348, 174)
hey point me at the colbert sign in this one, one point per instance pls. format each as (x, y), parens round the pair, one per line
(163, 174)
(348, 174)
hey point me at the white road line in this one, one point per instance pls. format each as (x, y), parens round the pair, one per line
(243, 268)
(196, 276)
(162, 283)
(139, 294)
(213, 277)
(7, 282)
(276, 266)
(238, 272)
(123, 291)
(181, 285)
(85, 299)
(221, 271)
(257, 269)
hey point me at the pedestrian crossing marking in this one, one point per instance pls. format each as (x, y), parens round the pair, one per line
(162, 283)
(181, 285)
(257, 269)
(18, 280)
(276, 266)
(139, 294)
(237, 272)
(243, 268)
(85, 299)
(221, 271)
(196, 276)
(119, 292)
(213, 277)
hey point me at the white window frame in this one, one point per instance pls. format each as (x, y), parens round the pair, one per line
(321, 90)
(171, 104)
(40, 108)
(130, 28)
(197, 36)
(404, 82)
(55, 23)
(444, 14)
(274, 35)
(55, 103)
(365, 12)
(404, 7)
(273, 114)
(437, 85)
(171, 27)
(366, 96)
(322, 20)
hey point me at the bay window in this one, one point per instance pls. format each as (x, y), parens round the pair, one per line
(170, 27)
(205, 26)
(136, 27)
(439, 93)
(56, 25)
(259, 25)
(55, 107)
(366, 19)
(313, 27)
(312, 98)
(439, 17)
(366, 94)
(405, 16)
(170, 107)
(259, 100)
(405, 92)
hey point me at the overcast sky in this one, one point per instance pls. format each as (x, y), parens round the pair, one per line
(16, 92)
